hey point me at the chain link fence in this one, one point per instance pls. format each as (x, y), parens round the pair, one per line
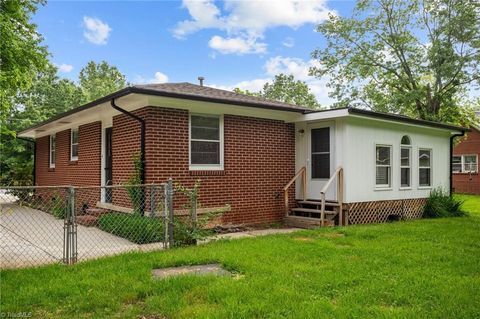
(65, 224)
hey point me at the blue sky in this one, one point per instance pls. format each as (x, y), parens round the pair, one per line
(231, 43)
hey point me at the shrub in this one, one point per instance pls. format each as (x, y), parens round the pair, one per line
(59, 207)
(136, 193)
(440, 204)
(135, 228)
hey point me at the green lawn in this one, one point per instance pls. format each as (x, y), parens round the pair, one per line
(417, 269)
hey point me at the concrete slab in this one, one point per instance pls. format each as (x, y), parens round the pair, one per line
(199, 270)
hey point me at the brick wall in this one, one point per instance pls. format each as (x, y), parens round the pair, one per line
(259, 159)
(468, 183)
(84, 172)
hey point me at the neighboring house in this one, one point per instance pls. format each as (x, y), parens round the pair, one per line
(465, 163)
(247, 149)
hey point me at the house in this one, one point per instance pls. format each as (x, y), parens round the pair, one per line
(465, 163)
(269, 161)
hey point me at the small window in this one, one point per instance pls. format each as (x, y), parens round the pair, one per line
(465, 164)
(406, 140)
(206, 142)
(383, 166)
(320, 148)
(457, 164)
(51, 159)
(405, 166)
(74, 145)
(424, 167)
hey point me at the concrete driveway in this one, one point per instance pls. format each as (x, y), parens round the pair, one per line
(31, 237)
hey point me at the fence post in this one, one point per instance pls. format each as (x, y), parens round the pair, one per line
(70, 230)
(170, 212)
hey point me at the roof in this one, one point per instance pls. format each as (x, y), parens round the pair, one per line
(195, 92)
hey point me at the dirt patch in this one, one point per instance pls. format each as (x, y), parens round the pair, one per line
(303, 238)
(199, 270)
(333, 235)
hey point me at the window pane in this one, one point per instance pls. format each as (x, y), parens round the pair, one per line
(383, 176)
(424, 157)
(74, 136)
(456, 159)
(457, 168)
(470, 159)
(52, 157)
(320, 165)
(405, 177)
(205, 152)
(383, 155)
(405, 157)
(424, 175)
(205, 128)
(321, 140)
(405, 140)
(74, 150)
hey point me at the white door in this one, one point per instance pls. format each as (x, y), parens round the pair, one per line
(320, 161)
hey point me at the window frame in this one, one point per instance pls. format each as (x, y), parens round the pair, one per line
(389, 185)
(206, 167)
(74, 158)
(409, 148)
(462, 164)
(51, 159)
(420, 186)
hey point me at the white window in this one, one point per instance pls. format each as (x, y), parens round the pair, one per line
(51, 157)
(405, 162)
(424, 167)
(74, 145)
(383, 166)
(465, 163)
(206, 142)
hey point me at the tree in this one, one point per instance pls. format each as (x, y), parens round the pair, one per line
(98, 80)
(415, 57)
(21, 52)
(285, 88)
(47, 96)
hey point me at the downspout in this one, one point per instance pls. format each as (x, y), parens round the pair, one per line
(142, 150)
(451, 158)
(34, 142)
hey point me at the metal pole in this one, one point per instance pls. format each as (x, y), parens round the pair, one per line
(170, 211)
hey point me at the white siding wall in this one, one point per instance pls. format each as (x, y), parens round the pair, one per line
(361, 136)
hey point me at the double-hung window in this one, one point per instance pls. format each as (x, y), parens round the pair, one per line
(51, 153)
(424, 167)
(383, 164)
(405, 162)
(206, 142)
(465, 163)
(74, 145)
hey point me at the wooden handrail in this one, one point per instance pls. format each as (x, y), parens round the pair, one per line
(302, 172)
(338, 173)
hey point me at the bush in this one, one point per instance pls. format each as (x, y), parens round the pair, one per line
(135, 228)
(440, 204)
(59, 207)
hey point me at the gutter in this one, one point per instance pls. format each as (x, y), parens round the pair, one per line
(34, 142)
(142, 150)
(451, 158)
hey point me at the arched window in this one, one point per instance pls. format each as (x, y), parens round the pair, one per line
(405, 162)
(405, 140)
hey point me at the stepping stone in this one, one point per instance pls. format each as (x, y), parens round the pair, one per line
(199, 270)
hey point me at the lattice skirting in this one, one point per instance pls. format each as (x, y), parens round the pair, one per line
(382, 211)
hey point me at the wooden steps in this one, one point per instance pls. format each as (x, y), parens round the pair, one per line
(306, 222)
(308, 213)
(91, 216)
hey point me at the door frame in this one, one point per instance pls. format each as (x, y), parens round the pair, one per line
(314, 185)
(105, 125)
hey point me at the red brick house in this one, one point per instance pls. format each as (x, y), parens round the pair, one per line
(465, 163)
(269, 161)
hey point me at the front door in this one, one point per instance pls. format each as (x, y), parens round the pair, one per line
(319, 159)
(108, 164)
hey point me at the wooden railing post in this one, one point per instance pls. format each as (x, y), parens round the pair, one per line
(301, 172)
(322, 211)
(340, 196)
(304, 185)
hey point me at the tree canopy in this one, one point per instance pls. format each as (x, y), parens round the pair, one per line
(414, 57)
(285, 88)
(100, 79)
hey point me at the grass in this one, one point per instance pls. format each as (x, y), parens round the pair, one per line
(419, 269)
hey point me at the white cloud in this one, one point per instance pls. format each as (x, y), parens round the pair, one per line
(96, 31)
(288, 42)
(158, 77)
(295, 66)
(250, 19)
(237, 45)
(65, 68)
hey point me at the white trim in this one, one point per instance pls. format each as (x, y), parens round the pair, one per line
(389, 185)
(74, 158)
(50, 164)
(425, 167)
(206, 167)
(409, 166)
